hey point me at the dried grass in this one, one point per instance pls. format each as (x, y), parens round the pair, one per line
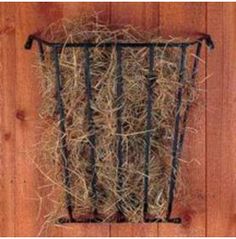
(103, 71)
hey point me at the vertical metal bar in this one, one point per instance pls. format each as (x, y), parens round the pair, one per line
(186, 113)
(172, 180)
(41, 50)
(64, 150)
(147, 146)
(91, 127)
(119, 129)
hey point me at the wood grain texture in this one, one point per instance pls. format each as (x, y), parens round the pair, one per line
(86, 230)
(137, 15)
(70, 10)
(29, 18)
(221, 126)
(186, 19)
(210, 207)
(7, 119)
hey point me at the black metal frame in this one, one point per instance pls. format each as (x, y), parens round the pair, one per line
(178, 136)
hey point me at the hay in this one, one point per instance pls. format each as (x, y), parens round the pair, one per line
(103, 72)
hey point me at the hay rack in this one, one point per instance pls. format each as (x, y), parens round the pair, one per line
(178, 138)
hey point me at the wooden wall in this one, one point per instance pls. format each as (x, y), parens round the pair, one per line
(211, 209)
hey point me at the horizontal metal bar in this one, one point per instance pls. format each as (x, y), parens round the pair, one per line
(175, 220)
(92, 219)
(41, 51)
(205, 38)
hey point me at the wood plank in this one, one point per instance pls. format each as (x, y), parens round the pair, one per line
(221, 126)
(86, 230)
(30, 18)
(185, 19)
(71, 10)
(143, 16)
(127, 13)
(75, 9)
(134, 230)
(182, 19)
(7, 122)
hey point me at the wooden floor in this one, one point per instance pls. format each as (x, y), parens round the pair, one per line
(211, 208)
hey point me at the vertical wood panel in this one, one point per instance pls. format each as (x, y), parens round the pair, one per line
(86, 230)
(71, 10)
(221, 126)
(185, 19)
(7, 121)
(127, 13)
(144, 16)
(30, 17)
